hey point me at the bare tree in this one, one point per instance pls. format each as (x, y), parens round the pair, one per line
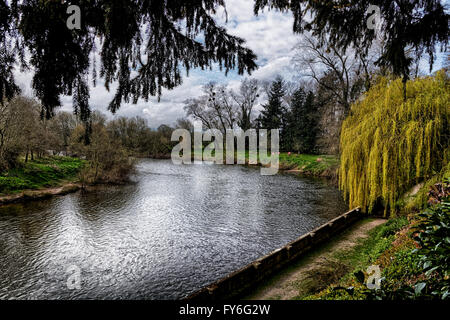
(350, 68)
(184, 123)
(63, 124)
(215, 108)
(246, 99)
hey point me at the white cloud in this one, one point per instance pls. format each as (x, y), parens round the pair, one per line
(269, 35)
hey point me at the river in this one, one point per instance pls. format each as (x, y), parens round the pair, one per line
(172, 231)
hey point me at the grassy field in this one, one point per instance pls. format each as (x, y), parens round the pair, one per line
(40, 173)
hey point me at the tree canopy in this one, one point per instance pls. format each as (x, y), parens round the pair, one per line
(272, 114)
(302, 123)
(405, 24)
(144, 47)
(385, 151)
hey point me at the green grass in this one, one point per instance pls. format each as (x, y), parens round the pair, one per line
(39, 173)
(369, 249)
(307, 163)
(364, 254)
(315, 164)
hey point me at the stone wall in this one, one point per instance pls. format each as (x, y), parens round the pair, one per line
(237, 282)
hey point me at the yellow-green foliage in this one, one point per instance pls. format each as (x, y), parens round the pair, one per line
(388, 144)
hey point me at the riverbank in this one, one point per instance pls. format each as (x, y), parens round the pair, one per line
(325, 166)
(339, 263)
(318, 269)
(410, 252)
(40, 178)
(39, 194)
(312, 165)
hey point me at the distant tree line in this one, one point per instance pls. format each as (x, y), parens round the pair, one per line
(24, 136)
(291, 107)
(145, 46)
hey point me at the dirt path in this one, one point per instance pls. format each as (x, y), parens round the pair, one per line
(316, 270)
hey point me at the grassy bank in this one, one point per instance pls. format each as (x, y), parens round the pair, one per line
(307, 164)
(412, 253)
(317, 165)
(320, 267)
(40, 173)
(346, 265)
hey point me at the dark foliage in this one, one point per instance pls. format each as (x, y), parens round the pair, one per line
(416, 24)
(156, 38)
(273, 113)
(302, 123)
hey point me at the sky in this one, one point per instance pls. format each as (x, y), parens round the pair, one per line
(269, 35)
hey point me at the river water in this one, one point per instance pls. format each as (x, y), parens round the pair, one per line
(171, 232)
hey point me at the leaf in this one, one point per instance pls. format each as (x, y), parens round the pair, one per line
(429, 272)
(419, 287)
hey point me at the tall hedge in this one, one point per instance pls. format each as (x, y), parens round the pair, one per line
(389, 144)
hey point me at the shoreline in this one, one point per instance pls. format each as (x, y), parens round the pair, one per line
(39, 194)
(247, 278)
(329, 173)
(323, 266)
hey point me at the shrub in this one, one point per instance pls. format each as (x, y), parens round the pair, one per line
(108, 160)
(434, 252)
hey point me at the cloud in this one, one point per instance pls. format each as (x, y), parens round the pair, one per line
(269, 35)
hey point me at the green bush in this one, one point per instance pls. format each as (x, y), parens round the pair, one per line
(403, 268)
(421, 273)
(392, 227)
(434, 251)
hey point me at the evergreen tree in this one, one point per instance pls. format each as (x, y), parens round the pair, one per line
(302, 123)
(272, 116)
(292, 118)
(309, 125)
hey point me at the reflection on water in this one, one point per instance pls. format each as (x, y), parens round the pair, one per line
(174, 230)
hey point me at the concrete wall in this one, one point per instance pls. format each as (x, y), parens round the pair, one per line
(246, 277)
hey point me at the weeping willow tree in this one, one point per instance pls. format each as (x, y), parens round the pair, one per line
(389, 144)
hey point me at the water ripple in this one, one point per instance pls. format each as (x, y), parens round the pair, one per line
(174, 230)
